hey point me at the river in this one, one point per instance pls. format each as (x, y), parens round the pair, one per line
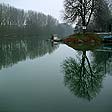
(40, 76)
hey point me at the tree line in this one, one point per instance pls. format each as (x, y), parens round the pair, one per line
(17, 21)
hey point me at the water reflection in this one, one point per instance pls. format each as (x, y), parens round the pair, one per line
(82, 76)
(104, 59)
(13, 51)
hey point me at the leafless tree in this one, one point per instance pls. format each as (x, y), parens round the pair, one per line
(79, 10)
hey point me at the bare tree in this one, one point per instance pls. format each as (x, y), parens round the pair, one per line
(79, 10)
(102, 17)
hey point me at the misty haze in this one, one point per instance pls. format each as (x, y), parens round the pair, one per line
(55, 56)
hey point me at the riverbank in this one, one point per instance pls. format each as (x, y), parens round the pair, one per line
(83, 38)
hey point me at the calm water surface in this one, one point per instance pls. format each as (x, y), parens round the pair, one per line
(37, 76)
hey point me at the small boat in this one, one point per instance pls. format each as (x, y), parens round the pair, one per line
(107, 39)
(55, 38)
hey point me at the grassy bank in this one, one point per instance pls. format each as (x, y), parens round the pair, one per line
(83, 38)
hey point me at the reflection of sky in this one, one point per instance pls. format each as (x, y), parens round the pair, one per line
(37, 86)
(52, 7)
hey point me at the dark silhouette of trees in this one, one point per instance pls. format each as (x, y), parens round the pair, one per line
(82, 77)
(79, 10)
(102, 19)
(90, 14)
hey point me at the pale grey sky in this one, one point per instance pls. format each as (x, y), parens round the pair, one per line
(51, 7)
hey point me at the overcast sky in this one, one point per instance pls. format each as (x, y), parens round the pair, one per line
(52, 7)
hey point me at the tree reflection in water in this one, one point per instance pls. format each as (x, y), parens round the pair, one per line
(12, 51)
(84, 79)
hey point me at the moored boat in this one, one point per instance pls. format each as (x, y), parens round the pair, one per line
(55, 38)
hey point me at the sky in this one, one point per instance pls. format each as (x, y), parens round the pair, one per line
(51, 7)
